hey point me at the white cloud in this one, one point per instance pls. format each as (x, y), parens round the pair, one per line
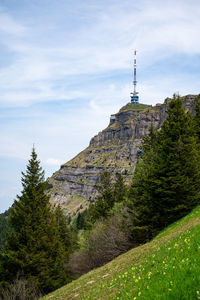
(80, 56)
(9, 26)
(157, 30)
(53, 162)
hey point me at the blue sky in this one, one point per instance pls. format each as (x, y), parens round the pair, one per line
(65, 66)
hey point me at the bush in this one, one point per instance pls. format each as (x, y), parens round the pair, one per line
(20, 289)
(108, 239)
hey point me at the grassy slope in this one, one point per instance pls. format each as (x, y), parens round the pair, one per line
(166, 268)
(134, 107)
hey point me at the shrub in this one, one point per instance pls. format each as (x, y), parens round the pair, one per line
(108, 239)
(20, 289)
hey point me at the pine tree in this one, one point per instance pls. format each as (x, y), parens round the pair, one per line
(166, 182)
(179, 167)
(141, 190)
(64, 231)
(120, 190)
(103, 202)
(105, 192)
(35, 248)
(79, 221)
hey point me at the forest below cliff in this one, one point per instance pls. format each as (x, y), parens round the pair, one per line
(46, 250)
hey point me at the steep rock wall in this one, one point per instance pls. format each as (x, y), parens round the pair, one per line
(115, 149)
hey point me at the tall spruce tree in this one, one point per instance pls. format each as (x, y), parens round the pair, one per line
(64, 231)
(80, 221)
(103, 202)
(166, 183)
(35, 248)
(120, 189)
(110, 192)
(141, 190)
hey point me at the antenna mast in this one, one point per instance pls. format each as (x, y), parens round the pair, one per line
(134, 95)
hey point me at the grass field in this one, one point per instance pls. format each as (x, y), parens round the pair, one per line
(134, 107)
(166, 268)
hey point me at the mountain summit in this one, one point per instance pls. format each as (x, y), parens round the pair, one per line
(114, 149)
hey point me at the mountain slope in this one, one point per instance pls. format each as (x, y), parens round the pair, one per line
(166, 268)
(114, 149)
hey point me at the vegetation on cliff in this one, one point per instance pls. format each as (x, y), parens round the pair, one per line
(113, 149)
(134, 107)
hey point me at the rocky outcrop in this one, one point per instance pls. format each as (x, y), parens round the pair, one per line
(116, 149)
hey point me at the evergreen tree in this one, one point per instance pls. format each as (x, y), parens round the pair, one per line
(80, 221)
(120, 189)
(103, 202)
(63, 229)
(141, 190)
(110, 192)
(105, 198)
(35, 248)
(166, 182)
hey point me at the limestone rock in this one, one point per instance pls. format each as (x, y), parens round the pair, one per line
(116, 149)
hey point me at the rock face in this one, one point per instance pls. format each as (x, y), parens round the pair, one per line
(116, 149)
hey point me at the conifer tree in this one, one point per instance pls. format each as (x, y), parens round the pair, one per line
(103, 202)
(166, 183)
(64, 231)
(179, 162)
(120, 190)
(80, 221)
(35, 248)
(141, 190)
(110, 192)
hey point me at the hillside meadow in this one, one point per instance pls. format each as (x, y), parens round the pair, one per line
(168, 267)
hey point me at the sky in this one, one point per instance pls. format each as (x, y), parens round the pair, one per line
(67, 65)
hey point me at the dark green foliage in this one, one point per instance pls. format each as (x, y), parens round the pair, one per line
(49, 186)
(5, 227)
(110, 192)
(35, 248)
(167, 178)
(104, 200)
(64, 231)
(197, 117)
(141, 188)
(68, 236)
(120, 190)
(80, 220)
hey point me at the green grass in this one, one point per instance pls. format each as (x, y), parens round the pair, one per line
(134, 107)
(166, 268)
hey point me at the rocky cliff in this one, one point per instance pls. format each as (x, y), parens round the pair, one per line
(116, 149)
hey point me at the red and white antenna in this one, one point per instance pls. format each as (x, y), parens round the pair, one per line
(134, 95)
